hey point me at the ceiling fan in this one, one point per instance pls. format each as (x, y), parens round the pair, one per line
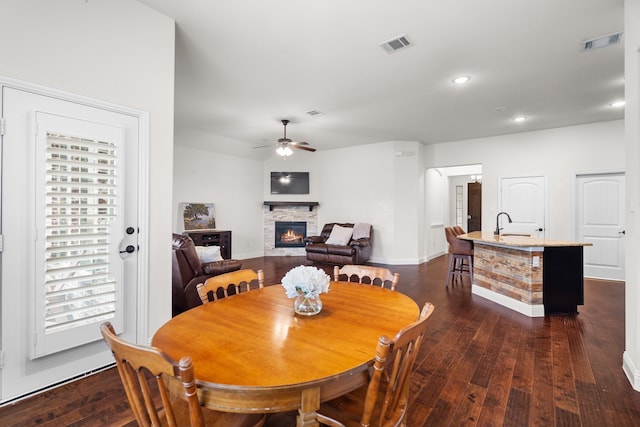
(284, 145)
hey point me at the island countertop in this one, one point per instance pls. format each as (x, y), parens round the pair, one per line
(517, 240)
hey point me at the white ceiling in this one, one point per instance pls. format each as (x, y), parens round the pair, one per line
(243, 65)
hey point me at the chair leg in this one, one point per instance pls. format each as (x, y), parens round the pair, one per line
(457, 264)
(451, 267)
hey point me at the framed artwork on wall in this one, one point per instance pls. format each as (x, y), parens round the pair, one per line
(197, 216)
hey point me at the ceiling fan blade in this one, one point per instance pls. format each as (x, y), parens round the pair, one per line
(301, 147)
(263, 146)
(298, 143)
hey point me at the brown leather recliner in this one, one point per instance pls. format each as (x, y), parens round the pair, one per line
(355, 252)
(188, 271)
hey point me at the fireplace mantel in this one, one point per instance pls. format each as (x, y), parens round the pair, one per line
(309, 204)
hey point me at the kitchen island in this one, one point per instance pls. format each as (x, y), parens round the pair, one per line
(533, 276)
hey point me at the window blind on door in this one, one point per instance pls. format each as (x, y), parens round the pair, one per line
(80, 205)
(76, 288)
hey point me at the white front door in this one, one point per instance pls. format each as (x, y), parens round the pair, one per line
(69, 213)
(600, 221)
(524, 199)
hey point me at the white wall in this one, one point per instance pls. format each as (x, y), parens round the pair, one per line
(372, 184)
(408, 200)
(353, 184)
(113, 50)
(356, 184)
(379, 183)
(631, 359)
(557, 154)
(232, 184)
(437, 201)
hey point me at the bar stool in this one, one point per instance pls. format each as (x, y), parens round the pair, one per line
(460, 254)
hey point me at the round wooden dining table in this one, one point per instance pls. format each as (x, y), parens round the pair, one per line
(252, 353)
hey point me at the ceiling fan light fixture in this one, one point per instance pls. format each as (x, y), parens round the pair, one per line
(285, 145)
(284, 151)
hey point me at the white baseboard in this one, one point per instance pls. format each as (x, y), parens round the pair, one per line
(373, 259)
(436, 255)
(394, 261)
(632, 372)
(248, 255)
(533, 310)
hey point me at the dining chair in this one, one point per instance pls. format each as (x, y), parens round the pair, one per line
(383, 401)
(460, 255)
(147, 375)
(377, 275)
(229, 284)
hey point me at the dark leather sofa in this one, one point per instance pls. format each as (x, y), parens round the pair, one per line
(188, 271)
(355, 252)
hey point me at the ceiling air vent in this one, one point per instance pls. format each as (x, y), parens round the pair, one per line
(601, 41)
(396, 44)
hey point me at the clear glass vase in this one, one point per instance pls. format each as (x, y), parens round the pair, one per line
(307, 306)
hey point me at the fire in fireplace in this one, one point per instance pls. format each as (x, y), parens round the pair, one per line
(290, 234)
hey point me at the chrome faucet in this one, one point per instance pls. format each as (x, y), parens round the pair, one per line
(497, 232)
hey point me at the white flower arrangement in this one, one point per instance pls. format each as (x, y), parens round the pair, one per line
(305, 281)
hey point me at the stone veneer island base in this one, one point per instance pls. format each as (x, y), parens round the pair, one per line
(530, 275)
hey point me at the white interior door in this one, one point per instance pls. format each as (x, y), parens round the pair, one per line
(600, 221)
(524, 199)
(69, 211)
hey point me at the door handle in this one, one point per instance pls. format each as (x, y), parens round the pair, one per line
(622, 232)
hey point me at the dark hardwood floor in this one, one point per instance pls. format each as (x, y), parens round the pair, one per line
(481, 364)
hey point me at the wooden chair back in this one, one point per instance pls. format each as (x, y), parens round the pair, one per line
(404, 350)
(385, 400)
(228, 284)
(367, 275)
(144, 370)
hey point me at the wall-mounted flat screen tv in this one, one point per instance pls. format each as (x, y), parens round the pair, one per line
(289, 182)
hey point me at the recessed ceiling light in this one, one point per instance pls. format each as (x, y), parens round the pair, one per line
(461, 80)
(617, 104)
(519, 119)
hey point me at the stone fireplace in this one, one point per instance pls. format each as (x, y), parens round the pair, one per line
(290, 234)
(301, 216)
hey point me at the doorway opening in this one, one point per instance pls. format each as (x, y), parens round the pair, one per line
(462, 196)
(453, 197)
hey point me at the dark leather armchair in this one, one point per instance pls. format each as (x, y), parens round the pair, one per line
(357, 251)
(188, 271)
